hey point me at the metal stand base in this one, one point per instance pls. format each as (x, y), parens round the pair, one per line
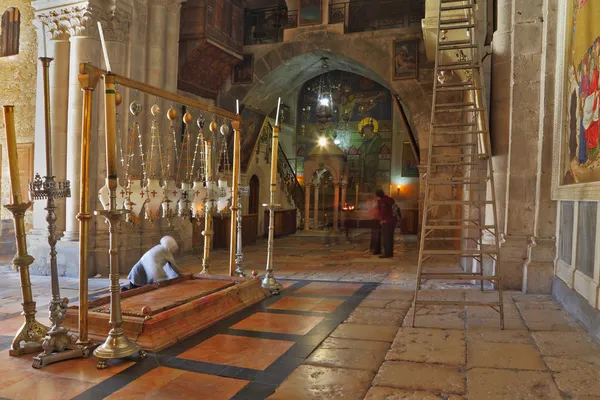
(240, 272)
(42, 360)
(116, 346)
(271, 285)
(29, 338)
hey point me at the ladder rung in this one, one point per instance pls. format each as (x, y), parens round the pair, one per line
(457, 303)
(452, 8)
(445, 47)
(457, 277)
(441, 105)
(458, 202)
(457, 180)
(454, 125)
(458, 67)
(455, 252)
(456, 42)
(457, 27)
(454, 145)
(454, 21)
(461, 227)
(443, 88)
(458, 133)
(453, 164)
(461, 110)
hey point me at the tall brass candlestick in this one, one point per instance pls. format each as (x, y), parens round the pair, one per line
(88, 83)
(117, 345)
(29, 337)
(234, 196)
(269, 281)
(58, 345)
(210, 201)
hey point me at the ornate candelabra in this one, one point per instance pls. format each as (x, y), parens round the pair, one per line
(239, 254)
(29, 337)
(58, 344)
(117, 345)
(269, 281)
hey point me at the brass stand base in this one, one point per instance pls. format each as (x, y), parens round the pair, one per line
(116, 346)
(41, 361)
(29, 338)
(240, 272)
(271, 285)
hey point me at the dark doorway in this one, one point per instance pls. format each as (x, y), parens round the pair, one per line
(254, 195)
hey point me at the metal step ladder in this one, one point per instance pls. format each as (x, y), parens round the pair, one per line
(459, 167)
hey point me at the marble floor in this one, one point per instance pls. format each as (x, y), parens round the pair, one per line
(339, 330)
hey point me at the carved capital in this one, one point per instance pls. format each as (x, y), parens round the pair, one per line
(171, 5)
(81, 20)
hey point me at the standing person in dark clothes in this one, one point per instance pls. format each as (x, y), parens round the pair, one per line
(387, 218)
(375, 245)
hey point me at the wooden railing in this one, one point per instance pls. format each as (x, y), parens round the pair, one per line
(266, 25)
(370, 15)
(221, 228)
(285, 222)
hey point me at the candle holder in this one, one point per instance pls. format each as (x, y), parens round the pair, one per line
(29, 337)
(58, 344)
(269, 281)
(239, 254)
(211, 197)
(31, 334)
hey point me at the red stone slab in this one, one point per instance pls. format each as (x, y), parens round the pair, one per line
(167, 297)
(165, 326)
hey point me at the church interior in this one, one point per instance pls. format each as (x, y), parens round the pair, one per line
(300, 199)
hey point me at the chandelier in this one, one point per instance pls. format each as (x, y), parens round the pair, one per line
(324, 108)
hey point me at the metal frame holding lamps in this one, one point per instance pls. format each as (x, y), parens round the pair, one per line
(29, 337)
(269, 281)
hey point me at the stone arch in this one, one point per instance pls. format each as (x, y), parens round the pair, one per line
(310, 168)
(291, 63)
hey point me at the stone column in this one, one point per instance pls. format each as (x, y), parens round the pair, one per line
(316, 207)
(529, 215)
(84, 48)
(306, 207)
(172, 50)
(336, 205)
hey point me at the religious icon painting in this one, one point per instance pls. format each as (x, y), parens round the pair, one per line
(243, 72)
(405, 59)
(410, 167)
(310, 12)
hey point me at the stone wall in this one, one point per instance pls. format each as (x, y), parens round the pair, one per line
(18, 87)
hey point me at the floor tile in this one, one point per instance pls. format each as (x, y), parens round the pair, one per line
(339, 343)
(485, 335)
(380, 333)
(494, 323)
(376, 316)
(566, 344)
(313, 304)
(429, 345)
(504, 355)
(386, 393)
(32, 385)
(320, 383)
(501, 384)
(548, 320)
(240, 351)
(448, 321)
(575, 377)
(332, 289)
(279, 323)
(416, 376)
(368, 360)
(168, 383)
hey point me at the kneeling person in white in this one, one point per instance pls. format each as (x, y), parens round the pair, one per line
(157, 264)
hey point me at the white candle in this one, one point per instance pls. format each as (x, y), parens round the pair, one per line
(277, 115)
(237, 107)
(104, 50)
(44, 39)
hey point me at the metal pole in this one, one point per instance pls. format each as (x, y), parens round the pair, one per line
(117, 345)
(29, 337)
(210, 199)
(88, 84)
(234, 197)
(239, 255)
(269, 281)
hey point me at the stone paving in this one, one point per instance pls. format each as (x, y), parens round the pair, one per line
(341, 330)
